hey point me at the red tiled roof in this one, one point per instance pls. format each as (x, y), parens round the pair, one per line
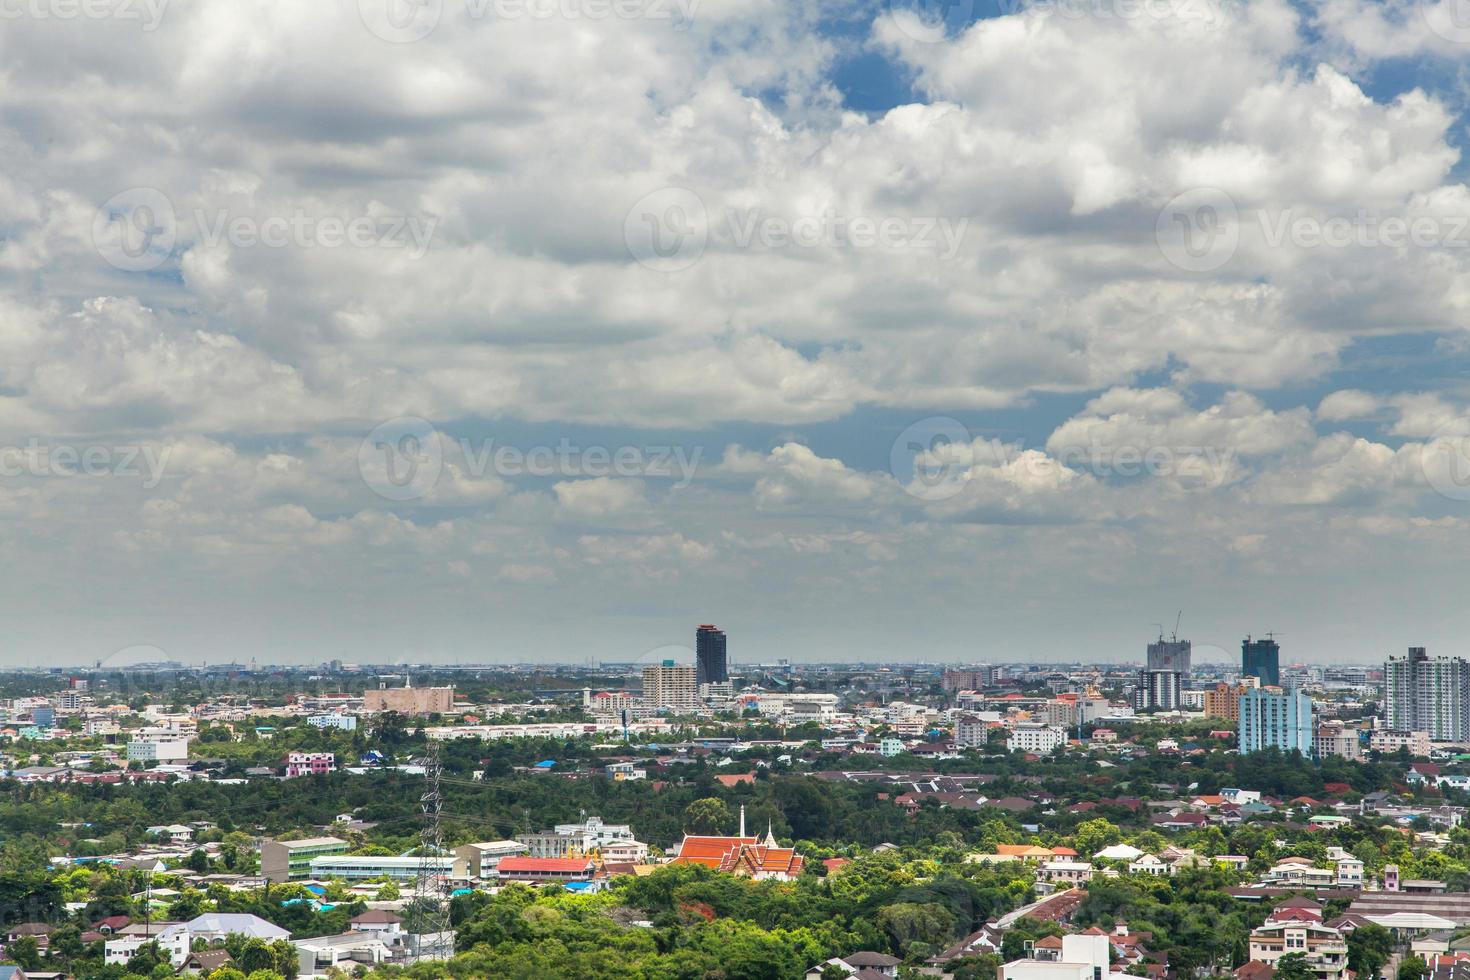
(530, 865)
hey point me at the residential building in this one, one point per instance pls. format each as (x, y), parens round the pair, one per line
(408, 700)
(172, 938)
(159, 745)
(672, 686)
(971, 732)
(1157, 690)
(972, 678)
(348, 951)
(215, 927)
(1040, 739)
(1334, 738)
(1389, 740)
(1223, 701)
(710, 663)
(1273, 718)
(283, 860)
(1428, 694)
(309, 763)
(344, 723)
(1075, 957)
(1261, 659)
(1298, 928)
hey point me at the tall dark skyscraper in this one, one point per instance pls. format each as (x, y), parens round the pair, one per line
(1261, 658)
(710, 663)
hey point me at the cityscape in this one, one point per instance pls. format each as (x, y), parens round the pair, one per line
(1018, 820)
(735, 489)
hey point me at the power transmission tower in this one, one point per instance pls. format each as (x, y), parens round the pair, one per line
(430, 901)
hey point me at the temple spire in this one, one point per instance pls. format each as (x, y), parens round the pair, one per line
(770, 840)
(742, 820)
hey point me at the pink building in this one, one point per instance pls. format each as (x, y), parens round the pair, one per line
(309, 763)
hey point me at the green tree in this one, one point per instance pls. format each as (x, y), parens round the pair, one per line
(1413, 968)
(1294, 966)
(1369, 947)
(707, 816)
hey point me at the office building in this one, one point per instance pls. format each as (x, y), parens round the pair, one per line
(671, 686)
(1261, 659)
(1428, 694)
(710, 663)
(1271, 718)
(282, 860)
(343, 723)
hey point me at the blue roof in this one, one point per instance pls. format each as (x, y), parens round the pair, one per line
(547, 764)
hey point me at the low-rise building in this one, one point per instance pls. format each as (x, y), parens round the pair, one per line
(1031, 737)
(283, 860)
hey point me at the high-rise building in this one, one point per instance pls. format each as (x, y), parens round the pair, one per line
(1169, 655)
(1224, 700)
(1158, 690)
(1261, 658)
(671, 685)
(711, 665)
(1271, 718)
(1428, 694)
(973, 678)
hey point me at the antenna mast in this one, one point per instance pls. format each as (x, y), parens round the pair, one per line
(430, 903)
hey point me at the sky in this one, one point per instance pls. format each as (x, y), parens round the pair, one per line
(944, 330)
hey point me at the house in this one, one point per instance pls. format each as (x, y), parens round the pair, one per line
(379, 922)
(1148, 865)
(1065, 872)
(206, 961)
(318, 955)
(213, 927)
(39, 931)
(1294, 927)
(862, 964)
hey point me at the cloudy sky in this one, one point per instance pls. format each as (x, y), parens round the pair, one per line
(549, 329)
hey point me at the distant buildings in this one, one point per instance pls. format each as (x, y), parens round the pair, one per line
(409, 700)
(710, 663)
(615, 842)
(1261, 659)
(1273, 718)
(1428, 694)
(1160, 681)
(671, 685)
(972, 678)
